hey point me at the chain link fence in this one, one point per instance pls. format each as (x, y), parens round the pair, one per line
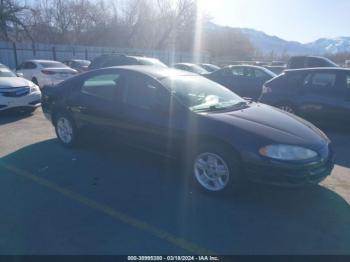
(12, 54)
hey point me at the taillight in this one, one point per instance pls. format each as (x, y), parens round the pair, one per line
(48, 72)
(266, 89)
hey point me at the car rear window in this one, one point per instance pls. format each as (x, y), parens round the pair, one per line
(52, 64)
(296, 62)
(278, 82)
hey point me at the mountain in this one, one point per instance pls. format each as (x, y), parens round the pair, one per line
(267, 44)
(331, 45)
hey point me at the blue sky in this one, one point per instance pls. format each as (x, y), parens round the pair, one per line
(299, 20)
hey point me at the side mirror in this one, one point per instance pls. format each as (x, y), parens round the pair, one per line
(20, 74)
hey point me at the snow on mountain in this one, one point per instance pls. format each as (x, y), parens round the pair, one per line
(331, 45)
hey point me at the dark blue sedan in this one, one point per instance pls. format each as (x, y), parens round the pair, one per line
(244, 80)
(221, 138)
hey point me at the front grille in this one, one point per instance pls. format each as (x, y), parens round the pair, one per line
(15, 92)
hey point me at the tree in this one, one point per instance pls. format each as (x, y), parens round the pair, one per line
(11, 19)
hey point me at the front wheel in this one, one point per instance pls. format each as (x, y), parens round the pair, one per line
(65, 130)
(216, 169)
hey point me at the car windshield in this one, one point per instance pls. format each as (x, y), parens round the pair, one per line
(6, 73)
(150, 61)
(201, 94)
(52, 64)
(83, 62)
(269, 72)
(330, 63)
(198, 70)
(210, 67)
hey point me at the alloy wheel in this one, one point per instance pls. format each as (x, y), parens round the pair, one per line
(211, 171)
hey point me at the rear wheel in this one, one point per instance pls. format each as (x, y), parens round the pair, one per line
(215, 169)
(66, 130)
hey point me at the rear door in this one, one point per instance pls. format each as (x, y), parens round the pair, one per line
(344, 99)
(95, 104)
(320, 95)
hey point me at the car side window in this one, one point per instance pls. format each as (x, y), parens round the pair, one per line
(315, 62)
(29, 65)
(102, 86)
(140, 93)
(297, 62)
(348, 82)
(323, 81)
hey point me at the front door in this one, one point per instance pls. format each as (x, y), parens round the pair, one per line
(321, 96)
(147, 118)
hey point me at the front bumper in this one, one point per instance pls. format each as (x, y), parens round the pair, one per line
(289, 174)
(32, 100)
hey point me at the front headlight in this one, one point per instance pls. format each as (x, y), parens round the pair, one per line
(287, 152)
(34, 88)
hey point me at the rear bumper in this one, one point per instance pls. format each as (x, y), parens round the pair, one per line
(287, 174)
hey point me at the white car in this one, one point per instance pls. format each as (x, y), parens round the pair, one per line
(45, 72)
(17, 92)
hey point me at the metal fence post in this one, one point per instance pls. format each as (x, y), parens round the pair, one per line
(54, 53)
(15, 53)
(34, 50)
(86, 54)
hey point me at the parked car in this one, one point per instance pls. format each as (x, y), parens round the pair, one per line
(17, 93)
(276, 69)
(193, 68)
(296, 62)
(244, 80)
(78, 64)
(222, 138)
(319, 94)
(347, 63)
(45, 72)
(120, 60)
(209, 67)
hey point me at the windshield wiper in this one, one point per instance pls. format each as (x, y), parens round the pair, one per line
(214, 108)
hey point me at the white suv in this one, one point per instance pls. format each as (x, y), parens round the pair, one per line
(45, 72)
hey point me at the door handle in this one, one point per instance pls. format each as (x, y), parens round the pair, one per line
(79, 109)
(82, 108)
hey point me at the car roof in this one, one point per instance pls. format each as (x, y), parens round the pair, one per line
(41, 61)
(155, 72)
(187, 64)
(308, 56)
(247, 66)
(318, 69)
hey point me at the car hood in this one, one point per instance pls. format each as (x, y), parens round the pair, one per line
(274, 125)
(13, 82)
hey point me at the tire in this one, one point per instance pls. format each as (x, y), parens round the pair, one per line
(207, 161)
(287, 108)
(30, 111)
(66, 130)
